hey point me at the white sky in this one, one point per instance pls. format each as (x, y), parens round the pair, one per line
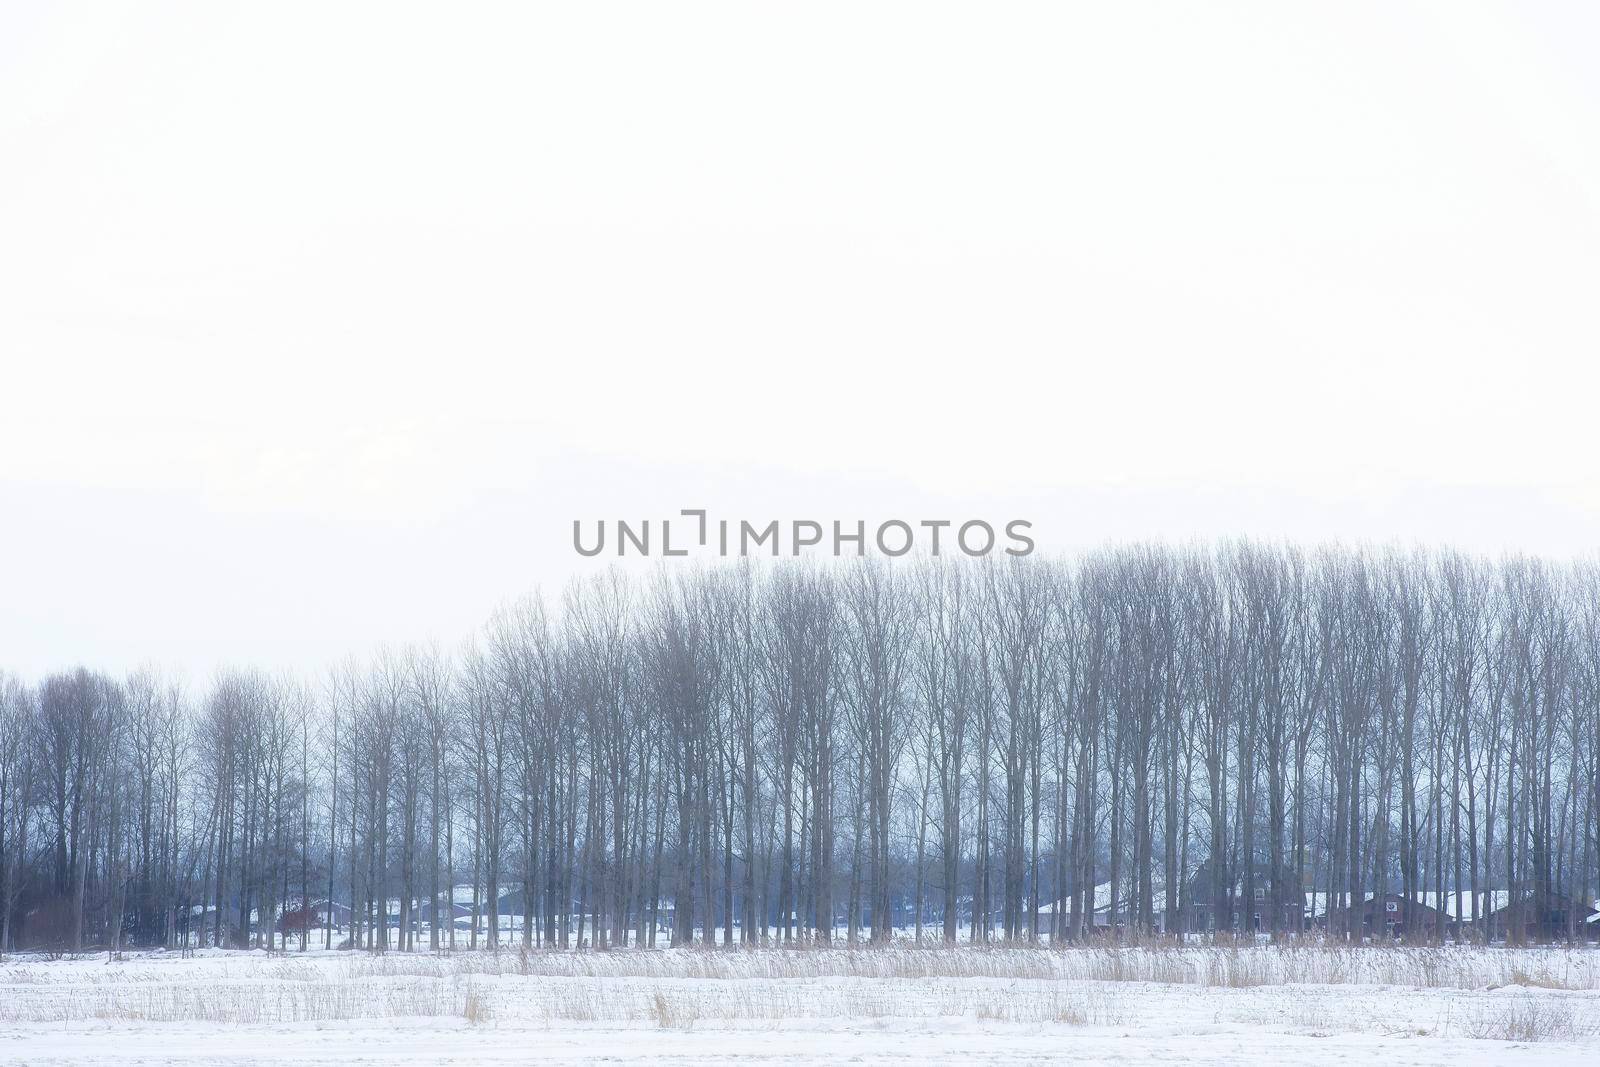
(320, 323)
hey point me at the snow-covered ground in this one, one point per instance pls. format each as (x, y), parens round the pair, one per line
(1455, 1006)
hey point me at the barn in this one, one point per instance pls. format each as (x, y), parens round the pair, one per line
(1543, 916)
(1392, 915)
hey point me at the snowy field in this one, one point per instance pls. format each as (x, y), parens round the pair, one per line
(1201, 1004)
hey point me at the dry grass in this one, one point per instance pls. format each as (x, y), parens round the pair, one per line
(1529, 1019)
(1227, 966)
(475, 1006)
(672, 1013)
(480, 1000)
(1095, 986)
(1537, 979)
(324, 999)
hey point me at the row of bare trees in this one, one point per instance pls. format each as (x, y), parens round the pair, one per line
(1145, 739)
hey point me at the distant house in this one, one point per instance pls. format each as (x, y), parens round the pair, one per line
(454, 908)
(1103, 902)
(1195, 904)
(1542, 916)
(512, 902)
(454, 912)
(1239, 913)
(297, 920)
(1391, 915)
(1099, 907)
(1456, 908)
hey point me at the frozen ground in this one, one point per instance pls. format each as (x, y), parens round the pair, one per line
(907, 1006)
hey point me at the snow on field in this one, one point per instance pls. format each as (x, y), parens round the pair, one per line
(1207, 1004)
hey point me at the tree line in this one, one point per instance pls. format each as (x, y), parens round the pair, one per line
(798, 752)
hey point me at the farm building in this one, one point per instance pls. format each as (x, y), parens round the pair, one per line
(1238, 912)
(1543, 916)
(1392, 915)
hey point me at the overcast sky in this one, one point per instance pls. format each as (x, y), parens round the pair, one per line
(320, 323)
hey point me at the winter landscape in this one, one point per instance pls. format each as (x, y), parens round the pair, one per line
(864, 531)
(1230, 802)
